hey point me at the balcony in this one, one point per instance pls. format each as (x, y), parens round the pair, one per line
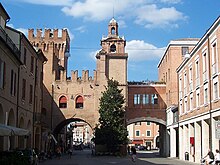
(9, 42)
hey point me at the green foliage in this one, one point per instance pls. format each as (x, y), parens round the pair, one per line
(111, 130)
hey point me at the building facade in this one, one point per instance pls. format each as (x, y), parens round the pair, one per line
(173, 56)
(199, 113)
(76, 98)
(144, 134)
(21, 69)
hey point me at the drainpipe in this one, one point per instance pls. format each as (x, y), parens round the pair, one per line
(210, 94)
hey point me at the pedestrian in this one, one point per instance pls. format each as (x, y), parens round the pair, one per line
(58, 151)
(128, 149)
(70, 152)
(133, 152)
(209, 157)
(217, 157)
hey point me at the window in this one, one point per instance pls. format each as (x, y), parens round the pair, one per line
(148, 123)
(31, 94)
(136, 99)
(185, 105)
(32, 64)
(2, 73)
(148, 133)
(206, 96)
(62, 102)
(137, 133)
(13, 83)
(205, 67)
(145, 99)
(113, 48)
(214, 58)
(155, 99)
(25, 56)
(197, 73)
(79, 102)
(191, 103)
(185, 50)
(215, 88)
(197, 99)
(113, 30)
(23, 89)
(137, 123)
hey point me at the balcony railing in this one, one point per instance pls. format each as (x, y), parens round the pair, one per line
(9, 42)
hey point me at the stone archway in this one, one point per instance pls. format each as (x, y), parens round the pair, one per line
(66, 139)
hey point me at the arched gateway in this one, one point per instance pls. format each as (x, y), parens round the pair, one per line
(67, 99)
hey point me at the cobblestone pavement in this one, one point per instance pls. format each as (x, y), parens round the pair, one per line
(85, 158)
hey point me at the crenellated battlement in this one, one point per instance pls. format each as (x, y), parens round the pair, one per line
(49, 35)
(85, 76)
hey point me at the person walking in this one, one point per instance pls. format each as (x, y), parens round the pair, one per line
(134, 154)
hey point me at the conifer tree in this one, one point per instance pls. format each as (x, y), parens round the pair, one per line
(111, 129)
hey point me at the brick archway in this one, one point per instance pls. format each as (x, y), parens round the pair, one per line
(151, 119)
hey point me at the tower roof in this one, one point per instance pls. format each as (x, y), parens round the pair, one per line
(113, 20)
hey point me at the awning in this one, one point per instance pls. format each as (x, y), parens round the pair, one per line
(63, 99)
(137, 142)
(6, 130)
(79, 99)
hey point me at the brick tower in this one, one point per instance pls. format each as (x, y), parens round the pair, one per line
(112, 59)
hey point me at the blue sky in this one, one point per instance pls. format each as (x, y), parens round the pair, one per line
(147, 25)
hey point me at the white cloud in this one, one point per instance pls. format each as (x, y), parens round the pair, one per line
(171, 1)
(48, 2)
(138, 50)
(151, 16)
(81, 29)
(144, 12)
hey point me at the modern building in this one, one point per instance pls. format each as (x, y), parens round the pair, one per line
(174, 54)
(199, 113)
(144, 134)
(21, 70)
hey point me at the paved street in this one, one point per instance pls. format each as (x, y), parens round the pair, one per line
(85, 158)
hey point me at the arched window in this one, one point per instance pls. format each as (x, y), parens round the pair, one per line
(62, 102)
(113, 48)
(79, 102)
(113, 30)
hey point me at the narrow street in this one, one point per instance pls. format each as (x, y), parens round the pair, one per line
(85, 158)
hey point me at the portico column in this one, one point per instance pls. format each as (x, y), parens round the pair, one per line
(198, 142)
(172, 142)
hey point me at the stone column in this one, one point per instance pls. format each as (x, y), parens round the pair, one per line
(198, 142)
